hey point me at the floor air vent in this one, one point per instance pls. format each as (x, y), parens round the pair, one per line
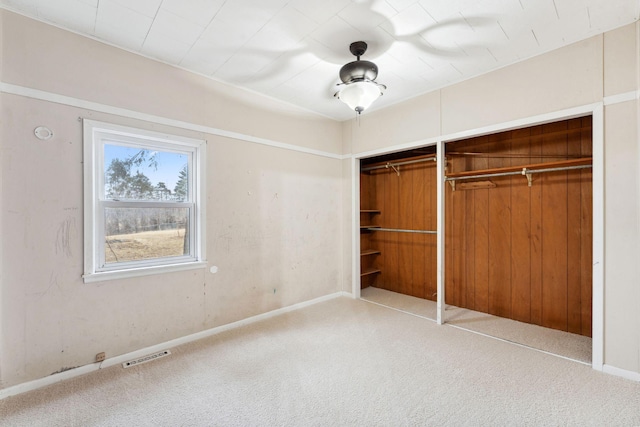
(145, 359)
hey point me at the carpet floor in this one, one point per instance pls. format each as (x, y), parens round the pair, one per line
(565, 344)
(343, 362)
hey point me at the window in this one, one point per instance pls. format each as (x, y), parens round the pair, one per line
(144, 209)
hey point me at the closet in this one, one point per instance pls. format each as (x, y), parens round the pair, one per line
(398, 223)
(518, 224)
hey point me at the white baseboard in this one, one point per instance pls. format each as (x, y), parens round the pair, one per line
(612, 370)
(81, 370)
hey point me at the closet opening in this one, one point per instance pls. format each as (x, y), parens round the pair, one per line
(518, 234)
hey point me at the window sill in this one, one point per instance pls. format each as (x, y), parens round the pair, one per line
(144, 271)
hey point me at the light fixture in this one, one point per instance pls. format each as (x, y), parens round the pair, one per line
(359, 88)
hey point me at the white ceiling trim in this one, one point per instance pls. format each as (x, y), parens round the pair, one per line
(12, 89)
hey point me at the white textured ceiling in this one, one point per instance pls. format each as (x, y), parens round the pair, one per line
(292, 50)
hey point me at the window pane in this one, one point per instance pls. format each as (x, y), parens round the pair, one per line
(136, 234)
(140, 174)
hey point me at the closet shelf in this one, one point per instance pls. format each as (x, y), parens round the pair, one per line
(585, 161)
(370, 271)
(366, 252)
(524, 170)
(399, 230)
(371, 211)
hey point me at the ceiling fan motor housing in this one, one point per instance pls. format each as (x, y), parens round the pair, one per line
(358, 70)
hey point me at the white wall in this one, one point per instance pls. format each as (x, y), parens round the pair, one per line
(274, 215)
(602, 69)
(622, 201)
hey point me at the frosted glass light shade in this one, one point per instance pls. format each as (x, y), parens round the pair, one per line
(359, 95)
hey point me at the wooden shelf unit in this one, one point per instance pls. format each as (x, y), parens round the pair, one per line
(368, 267)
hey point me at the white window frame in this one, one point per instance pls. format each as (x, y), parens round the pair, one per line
(96, 135)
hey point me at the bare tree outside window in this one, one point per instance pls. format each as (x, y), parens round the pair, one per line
(140, 233)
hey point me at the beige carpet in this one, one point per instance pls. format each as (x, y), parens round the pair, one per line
(343, 362)
(572, 346)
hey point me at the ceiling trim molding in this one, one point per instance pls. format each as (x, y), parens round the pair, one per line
(41, 95)
(621, 97)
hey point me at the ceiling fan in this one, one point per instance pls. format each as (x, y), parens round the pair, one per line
(359, 87)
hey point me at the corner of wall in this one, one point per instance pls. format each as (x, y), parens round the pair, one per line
(347, 226)
(621, 57)
(347, 201)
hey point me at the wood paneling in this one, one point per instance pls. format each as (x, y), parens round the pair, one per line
(574, 204)
(391, 241)
(586, 232)
(418, 253)
(554, 234)
(535, 197)
(431, 224)
(407, 260)
(512, 250)
(520, 231)
(523, 252)
(405, 221)
(480, 258)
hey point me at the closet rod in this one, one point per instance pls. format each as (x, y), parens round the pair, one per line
(513, 155)
(399, 230)
(524, 171)
(391, 165)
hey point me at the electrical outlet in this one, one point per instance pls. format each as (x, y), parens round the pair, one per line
(100, 357)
